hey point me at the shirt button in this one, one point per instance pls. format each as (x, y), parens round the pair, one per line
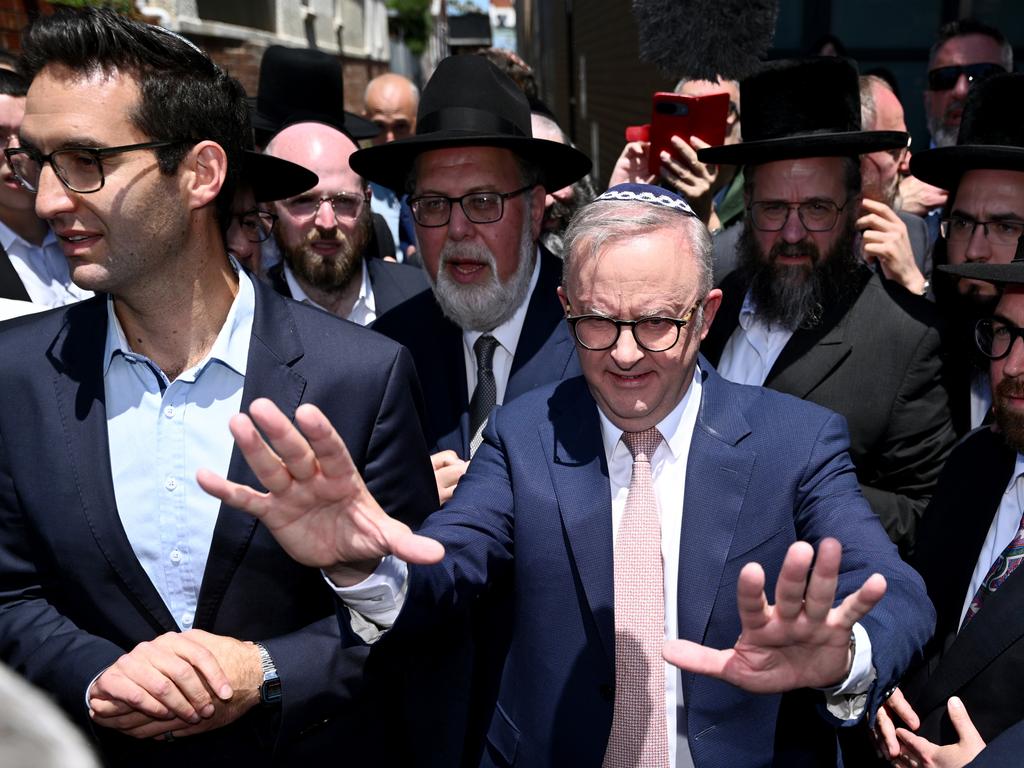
(169, 411)
(175, 556)
(186, 619)
(170, 484)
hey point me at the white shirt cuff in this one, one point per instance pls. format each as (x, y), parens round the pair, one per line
(374, 603)
(848, 700)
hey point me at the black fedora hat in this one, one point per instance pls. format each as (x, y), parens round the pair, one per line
(470, 102)
(272, 178)
(991, 135)
(300, 85)
(802, 108)
(989, 272)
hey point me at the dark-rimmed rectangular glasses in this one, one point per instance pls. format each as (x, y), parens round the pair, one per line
(655, 334)
(479, 207)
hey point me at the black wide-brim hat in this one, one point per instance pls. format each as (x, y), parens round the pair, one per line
(991, 135)
(802, 108)
(299, 85)
(1000, 274)
(467, 103)
(272, 178)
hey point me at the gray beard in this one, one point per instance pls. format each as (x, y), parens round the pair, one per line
(942, 136)
(484, 307)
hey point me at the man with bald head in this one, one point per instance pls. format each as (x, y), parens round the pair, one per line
(322, 234)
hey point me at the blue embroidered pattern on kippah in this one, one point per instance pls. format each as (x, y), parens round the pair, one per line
(645, 193)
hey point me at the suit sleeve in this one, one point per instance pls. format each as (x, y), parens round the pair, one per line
(901, 623)
(35, 638)
(320, 673)
(918, 441)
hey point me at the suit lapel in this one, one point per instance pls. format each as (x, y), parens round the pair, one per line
(77, 355)
(11, 286)
(273, 348)
(812, 354)
(717, 471)
(579, 474)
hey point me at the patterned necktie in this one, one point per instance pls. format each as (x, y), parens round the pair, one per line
(997, 575)
(639, 736)
(485, 396)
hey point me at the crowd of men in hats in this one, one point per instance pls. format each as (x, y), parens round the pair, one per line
(712, 468)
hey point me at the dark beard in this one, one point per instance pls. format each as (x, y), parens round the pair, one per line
(1010, 423)
(328, 274)
(797, 296)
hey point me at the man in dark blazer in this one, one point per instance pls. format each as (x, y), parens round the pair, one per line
(173, 632)
(803, 314)
(738, 474)
(491, 281)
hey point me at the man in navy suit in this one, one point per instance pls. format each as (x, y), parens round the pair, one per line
(175, 631)
(741, 486)
(476, 179)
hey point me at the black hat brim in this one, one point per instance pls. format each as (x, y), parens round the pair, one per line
(355, 126)
(272, 178)
(989, 272)
(944, 166)
(389, 164)
(846, 144)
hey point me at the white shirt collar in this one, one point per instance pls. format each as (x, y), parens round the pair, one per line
(9, 238)
(508, 332)
(363, 300)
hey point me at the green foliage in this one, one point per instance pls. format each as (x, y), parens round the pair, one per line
(413, 23)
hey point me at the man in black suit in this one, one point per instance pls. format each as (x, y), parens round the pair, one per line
(803, 314)
(476, 178)
(146, 612)
(323, 232)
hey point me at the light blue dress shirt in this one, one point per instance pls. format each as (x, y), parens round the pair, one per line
(160, 433)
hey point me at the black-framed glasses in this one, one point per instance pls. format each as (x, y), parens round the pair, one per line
(995, 337)
(655, 333)
(945, 78)
(479, 207)
(256, 224)
(959, 229)
(346, 206)
(80, 169)
(815, 215)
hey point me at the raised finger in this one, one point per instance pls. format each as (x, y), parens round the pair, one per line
(685, 153)
(792, 582)
(231, 493)
(265, 463)
(324, 443)
(899, 706)
(914, 747)
(750, 598)
(409, 546)
(821, 587)
(856, 606)
(885, 735)
(692, 657)
(290, 446)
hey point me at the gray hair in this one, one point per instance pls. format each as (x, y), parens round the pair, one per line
(606, 221)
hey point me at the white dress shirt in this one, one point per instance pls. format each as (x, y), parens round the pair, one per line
(753, 348)
(1004, 527)
(364, 311)
(507, 334)
(380, 597)
(42, 269)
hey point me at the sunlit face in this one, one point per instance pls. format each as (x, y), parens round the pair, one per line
(391, 105)
(132, 230)
(880, 171)
(985, 195)
(240, 243)
(943, 109)
(642, 276)
(13, 196)
(545, 128)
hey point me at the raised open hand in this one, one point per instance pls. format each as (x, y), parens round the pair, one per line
(801, 641)
(316, 505)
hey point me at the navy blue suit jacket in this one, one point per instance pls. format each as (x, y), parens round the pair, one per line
(73, 596)
(534, 511)
(545, 353)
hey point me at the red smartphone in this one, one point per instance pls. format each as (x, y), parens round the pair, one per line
(673, 114)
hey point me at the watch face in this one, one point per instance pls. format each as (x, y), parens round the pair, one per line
(270, 692)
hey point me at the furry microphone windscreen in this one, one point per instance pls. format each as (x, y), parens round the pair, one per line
(702, 39)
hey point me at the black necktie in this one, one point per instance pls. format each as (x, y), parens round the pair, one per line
(485, 396)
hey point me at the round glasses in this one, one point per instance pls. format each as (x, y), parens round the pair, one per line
(80, 169)
(815, 215)
(655, 334)
(479, 207)
(256, 224)
(995, 337)
(346, 206)
(960, 229)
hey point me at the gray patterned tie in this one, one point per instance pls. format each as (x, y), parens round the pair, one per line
(485, 396)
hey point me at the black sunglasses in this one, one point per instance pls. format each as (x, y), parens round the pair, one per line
(945, 78)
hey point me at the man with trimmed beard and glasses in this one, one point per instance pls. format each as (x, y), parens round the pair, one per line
(323, 233)
(476, 178)
(803, 314)
(965, 692)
